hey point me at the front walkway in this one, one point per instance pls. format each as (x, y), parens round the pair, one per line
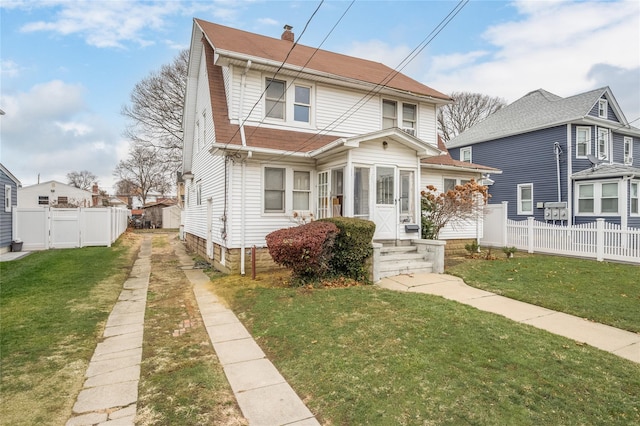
(619, 342)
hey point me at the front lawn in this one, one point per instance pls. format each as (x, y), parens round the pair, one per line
(363, 355)
(53, 306)
(604, 292)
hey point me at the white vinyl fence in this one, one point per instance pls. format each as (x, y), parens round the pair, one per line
(45, 227)
(599, 239)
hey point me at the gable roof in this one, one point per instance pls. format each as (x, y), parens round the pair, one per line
(10, 175)
(538, 110)
(234, 43)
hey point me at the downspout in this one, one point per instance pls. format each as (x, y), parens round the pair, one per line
(558, 150)
(570, 218)
(243, 82)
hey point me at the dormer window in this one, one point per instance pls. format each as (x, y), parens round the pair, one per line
(603, 108)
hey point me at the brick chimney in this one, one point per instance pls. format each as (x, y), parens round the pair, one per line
(94, 195)
(287, 34)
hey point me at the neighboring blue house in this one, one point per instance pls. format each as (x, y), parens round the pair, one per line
(562, 159)
(9, 185)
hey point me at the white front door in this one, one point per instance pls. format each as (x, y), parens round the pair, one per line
(385, 214)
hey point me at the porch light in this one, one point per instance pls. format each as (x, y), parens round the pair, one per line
(384, 144)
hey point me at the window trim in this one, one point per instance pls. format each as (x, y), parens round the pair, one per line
(627, 142)
(395, 116)
(280, 100)
(299, 191)
(521, 211)
(603, 108)
(462, 154)
(602, 131)
(637, 198)
(597, 198)
(8, 189)
(298, 103)
(289, 102)
(587, 141)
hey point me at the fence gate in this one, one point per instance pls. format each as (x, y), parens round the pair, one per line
(65, 228)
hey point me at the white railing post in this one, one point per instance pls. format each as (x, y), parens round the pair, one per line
(505, 216)
(600, 239)
(530, 234)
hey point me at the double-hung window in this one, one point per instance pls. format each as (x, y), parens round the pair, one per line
(404, 116)
(199, 193)
(409, 116)
(603, 144)
(598, 198)
(628, 150)
(389, 114)
(465, 154)
(603, 108)
(525, 198)
(274, 189)
(635, 198)
(275, 99)
(583, 142)
(302, 104)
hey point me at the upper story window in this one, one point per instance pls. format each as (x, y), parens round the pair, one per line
(603, 107)
(465, 154)
(525, 198)
(275, 99)
(409, 116)
(628, 150)
(389, 114)
(602, 148)
(583, 142)
(302, 104)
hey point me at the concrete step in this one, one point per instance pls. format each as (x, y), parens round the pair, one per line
(404, 265)
(399, 249)
(395, 257)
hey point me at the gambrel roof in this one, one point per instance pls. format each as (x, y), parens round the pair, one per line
(539, 110)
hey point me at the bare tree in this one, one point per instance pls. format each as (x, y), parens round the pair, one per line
(156, 112)
(143, 171)
(468, 109)
(82, 180)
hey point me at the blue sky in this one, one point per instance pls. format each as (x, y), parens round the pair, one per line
(68, 66)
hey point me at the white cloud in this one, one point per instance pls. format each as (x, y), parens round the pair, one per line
(9, 68)
(75, 128)
(555, 46)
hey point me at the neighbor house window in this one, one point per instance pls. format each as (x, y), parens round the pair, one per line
(63, 200)
(583, 141)
(628, 150)
(302, 104)
(603, 144)
(525, 198)
(465, 154)
(449, 185)
(274, 189)
(301, 190)
(602, 108)
(609, 199)
(43, 200)
(275, 99)
(598, 198)
(204, 128)
(635, 197)
(389, 114)
(199, 193)
(197, 136)
(7, 198)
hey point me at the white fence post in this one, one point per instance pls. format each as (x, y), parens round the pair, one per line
(600, 239)
(505, 216)
(530, 234)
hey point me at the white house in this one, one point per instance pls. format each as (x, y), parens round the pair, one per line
(53, 193)
(269, 141)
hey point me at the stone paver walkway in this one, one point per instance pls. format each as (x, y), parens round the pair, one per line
(619, 342)
(264, 396)
(110, 392)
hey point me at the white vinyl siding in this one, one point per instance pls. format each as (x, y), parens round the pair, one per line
(525, 198)
(583, 142)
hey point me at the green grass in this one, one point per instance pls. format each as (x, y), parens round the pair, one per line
(604, 292)
(363, 355)
(53, 306)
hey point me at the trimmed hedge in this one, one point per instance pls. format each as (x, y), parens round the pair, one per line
(305, 249)
(352, 247)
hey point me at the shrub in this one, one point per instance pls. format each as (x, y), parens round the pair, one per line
(472, 248)
(352, 247)
(305, 249)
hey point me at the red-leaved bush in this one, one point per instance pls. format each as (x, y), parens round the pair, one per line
(305, 249)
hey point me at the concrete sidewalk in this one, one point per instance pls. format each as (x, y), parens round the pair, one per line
(619, 342)
(264, 397)
(110, 392)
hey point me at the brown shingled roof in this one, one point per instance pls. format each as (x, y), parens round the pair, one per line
(259, 137)
(234, 40)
